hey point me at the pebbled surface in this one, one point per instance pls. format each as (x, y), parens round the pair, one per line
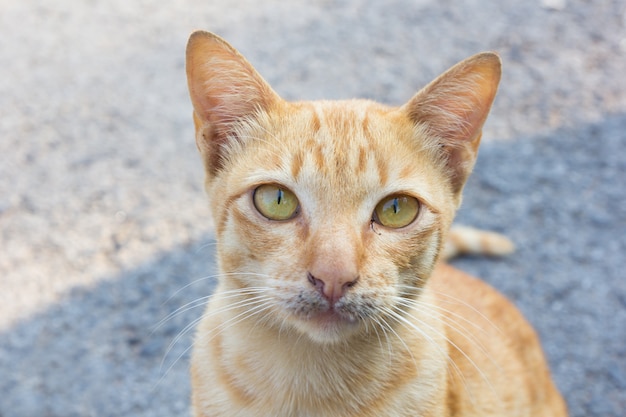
(104, 229)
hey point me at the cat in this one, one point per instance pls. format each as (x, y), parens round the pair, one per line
(331, 218)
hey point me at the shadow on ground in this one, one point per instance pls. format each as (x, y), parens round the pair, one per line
(99, 351)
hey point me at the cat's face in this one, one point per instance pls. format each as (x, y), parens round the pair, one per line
(330, 215)
(334, 210)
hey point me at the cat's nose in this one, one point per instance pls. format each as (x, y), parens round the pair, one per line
(332, 287)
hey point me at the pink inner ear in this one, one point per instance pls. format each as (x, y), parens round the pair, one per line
(456, 105)
(223, 86)
(454, 108)
(224, 90)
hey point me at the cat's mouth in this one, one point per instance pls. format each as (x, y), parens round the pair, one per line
(329, 326)
(323, 321)
(333, 317)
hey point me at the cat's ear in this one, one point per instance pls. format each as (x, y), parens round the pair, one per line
(453, 109)
(225, 89)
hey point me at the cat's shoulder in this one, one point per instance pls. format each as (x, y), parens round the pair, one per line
(462, 292)
(488, 336)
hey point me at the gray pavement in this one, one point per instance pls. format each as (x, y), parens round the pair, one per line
(104, 226)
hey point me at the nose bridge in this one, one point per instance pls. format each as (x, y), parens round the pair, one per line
(334, 259)
(336, 242)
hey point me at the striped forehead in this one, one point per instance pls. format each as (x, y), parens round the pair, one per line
(330, 153)
(340, 146)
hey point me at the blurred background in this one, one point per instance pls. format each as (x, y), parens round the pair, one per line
(104, 226)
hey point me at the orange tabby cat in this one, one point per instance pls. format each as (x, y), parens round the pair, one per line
(330, 219)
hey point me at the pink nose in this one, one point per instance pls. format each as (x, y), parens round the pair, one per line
(332, 287)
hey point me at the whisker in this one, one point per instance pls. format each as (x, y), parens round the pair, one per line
(393, 315)
(213, 276)
(199, 302)
(451, 299)
(202, 301)
(232, 306)
(449, 319)
(446, 316)
(193, 323)
(206, 245)
(382, 326)
(214, 332)
(405, 322)
(458, 349)
(456, 326)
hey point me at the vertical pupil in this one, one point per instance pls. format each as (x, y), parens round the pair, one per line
(279, 196)
(396, 207)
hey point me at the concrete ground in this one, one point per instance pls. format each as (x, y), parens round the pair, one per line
(104, 226)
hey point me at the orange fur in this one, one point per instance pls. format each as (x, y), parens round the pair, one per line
(329, 312)
(463, 240)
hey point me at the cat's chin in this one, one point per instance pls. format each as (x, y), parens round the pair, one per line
(329, 327)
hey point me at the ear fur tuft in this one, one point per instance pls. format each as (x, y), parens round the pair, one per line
(225, 89)
(454, 108)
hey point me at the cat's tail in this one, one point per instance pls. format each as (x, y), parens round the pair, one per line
(463, 240)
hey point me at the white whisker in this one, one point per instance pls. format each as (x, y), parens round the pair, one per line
(214, 276)
(393, 315)
(259, 308)
(454, 300)
(199, 302)
(244, 302)
(448, 318)
(206, 245)
(423, 308)
(383, 325)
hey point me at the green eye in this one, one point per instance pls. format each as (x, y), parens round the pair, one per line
(397, 211)
(275, 202)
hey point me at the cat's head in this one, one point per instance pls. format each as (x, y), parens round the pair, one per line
(331, 215)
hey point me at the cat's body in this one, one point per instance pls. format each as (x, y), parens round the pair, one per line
(331, 218)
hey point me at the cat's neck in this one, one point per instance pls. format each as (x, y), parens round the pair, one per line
(290, 368)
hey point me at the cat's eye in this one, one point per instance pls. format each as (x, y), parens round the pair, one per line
(396, 211)
(275, 202)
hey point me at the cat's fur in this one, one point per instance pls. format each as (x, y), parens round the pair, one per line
(329, 313)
